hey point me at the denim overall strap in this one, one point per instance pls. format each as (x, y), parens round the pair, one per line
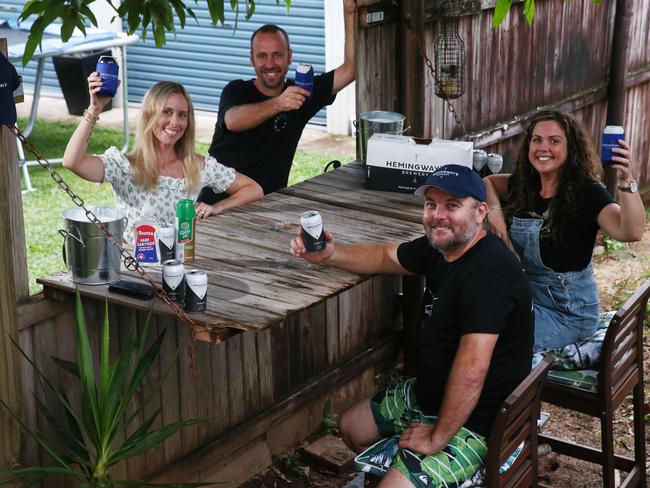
(566, 304)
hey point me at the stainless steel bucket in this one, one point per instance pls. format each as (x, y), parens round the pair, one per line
(377, 121)
(87, 252)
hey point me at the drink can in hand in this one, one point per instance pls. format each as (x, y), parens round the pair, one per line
(305, 77)
(313, 234)
(108, 70)
(611, 135)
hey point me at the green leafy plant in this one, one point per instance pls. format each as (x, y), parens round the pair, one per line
(294, 464)
(612, 246)
(140, 15)
(88, 440)
(502, 8)
(330, 419)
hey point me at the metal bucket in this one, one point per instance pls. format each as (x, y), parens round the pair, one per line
(87, 252)
(377, 121)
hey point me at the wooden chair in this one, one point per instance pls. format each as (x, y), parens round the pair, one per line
(516, 422)
(620, 373)
(514, 427)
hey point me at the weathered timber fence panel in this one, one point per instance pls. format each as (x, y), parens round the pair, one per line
(563, 60)
(377, 67)
(236, 381)
(13, 287)
(516, 68)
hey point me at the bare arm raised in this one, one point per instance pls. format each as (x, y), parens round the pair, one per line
(355, 258)
(346, 73)
(624, 221)
(86, 166)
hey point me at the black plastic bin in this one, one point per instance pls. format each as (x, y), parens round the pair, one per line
(73, 70)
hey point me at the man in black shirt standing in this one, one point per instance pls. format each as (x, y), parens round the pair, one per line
(475, 346)
(261, 120)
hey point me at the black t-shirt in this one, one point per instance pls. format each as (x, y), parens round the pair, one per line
(573, 251)
(9, 81)
(265, 152)
(484, 291)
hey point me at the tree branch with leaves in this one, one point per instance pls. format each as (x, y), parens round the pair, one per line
(502, 8)
(157, 16)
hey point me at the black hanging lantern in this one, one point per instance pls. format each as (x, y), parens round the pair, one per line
(449, 52)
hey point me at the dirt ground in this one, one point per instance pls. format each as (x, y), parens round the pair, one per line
(620, 268)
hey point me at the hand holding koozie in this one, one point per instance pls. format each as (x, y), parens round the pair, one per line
(108, 70)
(305, 77)
(611, 135)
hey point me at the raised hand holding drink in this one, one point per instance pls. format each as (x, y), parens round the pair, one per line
(611, 135)
(305, 77)
(108, 70)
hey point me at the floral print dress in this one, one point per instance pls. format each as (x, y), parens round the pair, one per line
(132, 199)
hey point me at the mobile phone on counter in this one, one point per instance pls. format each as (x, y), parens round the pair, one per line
(133, 289)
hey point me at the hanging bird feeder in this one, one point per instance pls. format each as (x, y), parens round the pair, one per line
(449, 50)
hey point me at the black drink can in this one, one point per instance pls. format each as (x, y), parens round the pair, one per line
(313, 234)
(166, 242)
(196, 291)
(173, 278)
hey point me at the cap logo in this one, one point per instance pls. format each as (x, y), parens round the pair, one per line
(446, 172)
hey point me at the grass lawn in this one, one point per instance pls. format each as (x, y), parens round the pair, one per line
(42, 208)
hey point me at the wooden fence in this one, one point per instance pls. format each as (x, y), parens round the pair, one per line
(562, 61)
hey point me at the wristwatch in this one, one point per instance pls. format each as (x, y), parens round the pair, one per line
(631, 188)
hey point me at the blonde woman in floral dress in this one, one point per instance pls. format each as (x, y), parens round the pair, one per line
(163, 167)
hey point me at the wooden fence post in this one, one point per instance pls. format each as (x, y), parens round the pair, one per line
(412, 73)
(13, 288)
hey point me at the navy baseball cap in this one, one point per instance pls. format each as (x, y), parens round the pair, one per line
(459, 181)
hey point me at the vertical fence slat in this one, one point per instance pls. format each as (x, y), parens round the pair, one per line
(12, 257)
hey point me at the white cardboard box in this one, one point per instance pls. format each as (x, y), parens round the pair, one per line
(401, 163)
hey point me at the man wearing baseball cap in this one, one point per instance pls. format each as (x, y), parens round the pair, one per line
(475, 346)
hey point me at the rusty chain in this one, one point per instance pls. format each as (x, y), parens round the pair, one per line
(129, 261)
(427, 61)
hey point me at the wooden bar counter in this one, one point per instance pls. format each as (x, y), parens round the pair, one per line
(294, 334)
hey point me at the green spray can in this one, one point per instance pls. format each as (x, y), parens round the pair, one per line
(185, 230)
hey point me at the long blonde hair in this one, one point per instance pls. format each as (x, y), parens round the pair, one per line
(143, 158)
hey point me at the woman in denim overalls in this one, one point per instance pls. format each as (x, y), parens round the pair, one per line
(553, 205)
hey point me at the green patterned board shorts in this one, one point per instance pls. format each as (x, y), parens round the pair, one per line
(394, 409)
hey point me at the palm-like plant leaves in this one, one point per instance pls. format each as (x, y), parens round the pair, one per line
(86, 442)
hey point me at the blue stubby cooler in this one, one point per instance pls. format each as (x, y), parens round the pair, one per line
(611, 135)
(108, 69)
(305, 77)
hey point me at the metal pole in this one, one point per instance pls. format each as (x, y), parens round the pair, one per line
(616, 89)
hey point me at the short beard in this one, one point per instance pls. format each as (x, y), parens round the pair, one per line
(456, 241)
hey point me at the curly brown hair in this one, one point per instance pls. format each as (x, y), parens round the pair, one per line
(581, 167)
